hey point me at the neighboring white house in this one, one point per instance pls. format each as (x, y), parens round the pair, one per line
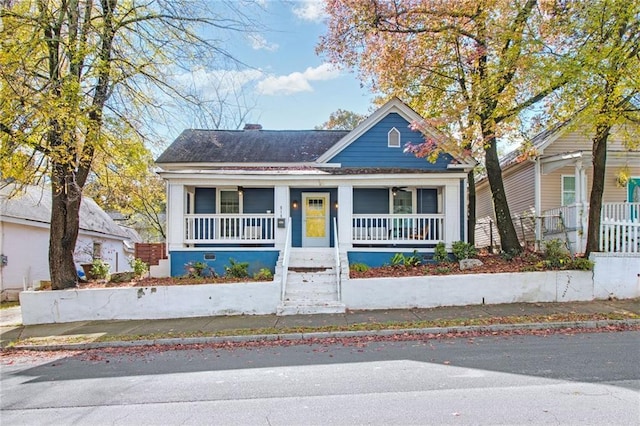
(24, 238)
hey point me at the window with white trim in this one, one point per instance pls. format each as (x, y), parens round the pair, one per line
(229, 202)
(402, 201)
(568, 190)
(393, 138)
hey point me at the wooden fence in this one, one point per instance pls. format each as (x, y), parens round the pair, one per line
(150, 253)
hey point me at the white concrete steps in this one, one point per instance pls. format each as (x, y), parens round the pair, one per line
(311, 283)
(316, 258)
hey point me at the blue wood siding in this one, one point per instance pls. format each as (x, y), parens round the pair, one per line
(217, 260)
(370, 201)
(205, 202)
(427, 202)
(377, 258)
(295, 194)
(371, 150)
(257, 200)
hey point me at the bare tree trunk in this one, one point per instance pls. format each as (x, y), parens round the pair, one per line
(597, 189)
(508, 236)
(65, 221)
(471, 209)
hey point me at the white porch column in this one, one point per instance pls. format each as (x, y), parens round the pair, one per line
(345, 209)
(281, 205)
(175, 215)
(452, 214)
(581, 200)
(537, 185)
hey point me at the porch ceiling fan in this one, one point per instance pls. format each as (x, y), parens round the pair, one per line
(395, 189)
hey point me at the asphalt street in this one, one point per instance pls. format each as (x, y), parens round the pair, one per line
(583, 378)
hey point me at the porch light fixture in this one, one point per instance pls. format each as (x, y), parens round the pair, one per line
(394, 191)
(240, 190)
(335, 205)
(295, 204)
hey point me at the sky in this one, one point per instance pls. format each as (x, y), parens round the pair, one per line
(286, 84)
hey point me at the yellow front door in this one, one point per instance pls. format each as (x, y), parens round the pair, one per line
(315, 220)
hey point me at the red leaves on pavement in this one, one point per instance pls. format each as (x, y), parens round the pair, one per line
(13, 356)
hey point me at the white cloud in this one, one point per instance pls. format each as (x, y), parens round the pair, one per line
(297, 81)
(311, 10)
(216, 82)
(259, 42)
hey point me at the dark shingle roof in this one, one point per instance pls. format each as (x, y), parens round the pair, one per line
(250, 146)
(536, 143)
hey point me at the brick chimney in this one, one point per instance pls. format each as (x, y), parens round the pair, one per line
(249, 126)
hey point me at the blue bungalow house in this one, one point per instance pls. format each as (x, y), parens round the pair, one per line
(310, 202)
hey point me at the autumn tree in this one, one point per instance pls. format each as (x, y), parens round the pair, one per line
(130, 186)
(342, 120)
(605, 94)
(73, 72)
(469, 67)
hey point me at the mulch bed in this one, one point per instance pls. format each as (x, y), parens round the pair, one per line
(492, 263)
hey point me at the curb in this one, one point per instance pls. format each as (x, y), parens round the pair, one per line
(302, 337)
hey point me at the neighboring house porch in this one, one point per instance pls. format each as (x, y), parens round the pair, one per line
(548, 192)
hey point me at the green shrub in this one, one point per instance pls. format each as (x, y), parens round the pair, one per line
(264, 274)
(397, 260)
(582, 264)
(413, 260)
(440, 254)
(99, 269)
(139, 267)
(462, 250)
(509, 255)
(197, 270)
(359, 267)
(555, 254)
(237, 269)
(400, 259)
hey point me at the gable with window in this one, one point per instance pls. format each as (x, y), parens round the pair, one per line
(393, 138)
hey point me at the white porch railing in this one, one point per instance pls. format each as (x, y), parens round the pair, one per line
(629, 212)
(554, 219)
(229, 228)
(619, 225)
(397, 228)
(618, 236)
(620, 228)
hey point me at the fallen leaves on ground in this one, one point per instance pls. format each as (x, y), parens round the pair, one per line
(22, 356)
(491, 263)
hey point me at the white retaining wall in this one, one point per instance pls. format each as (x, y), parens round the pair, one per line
(472, 289)
(180, 301)
(613, 276)
(616, 275)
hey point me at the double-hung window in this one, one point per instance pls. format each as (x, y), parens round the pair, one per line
(568, 190)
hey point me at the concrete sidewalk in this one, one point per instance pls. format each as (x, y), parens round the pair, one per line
(86, 331)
